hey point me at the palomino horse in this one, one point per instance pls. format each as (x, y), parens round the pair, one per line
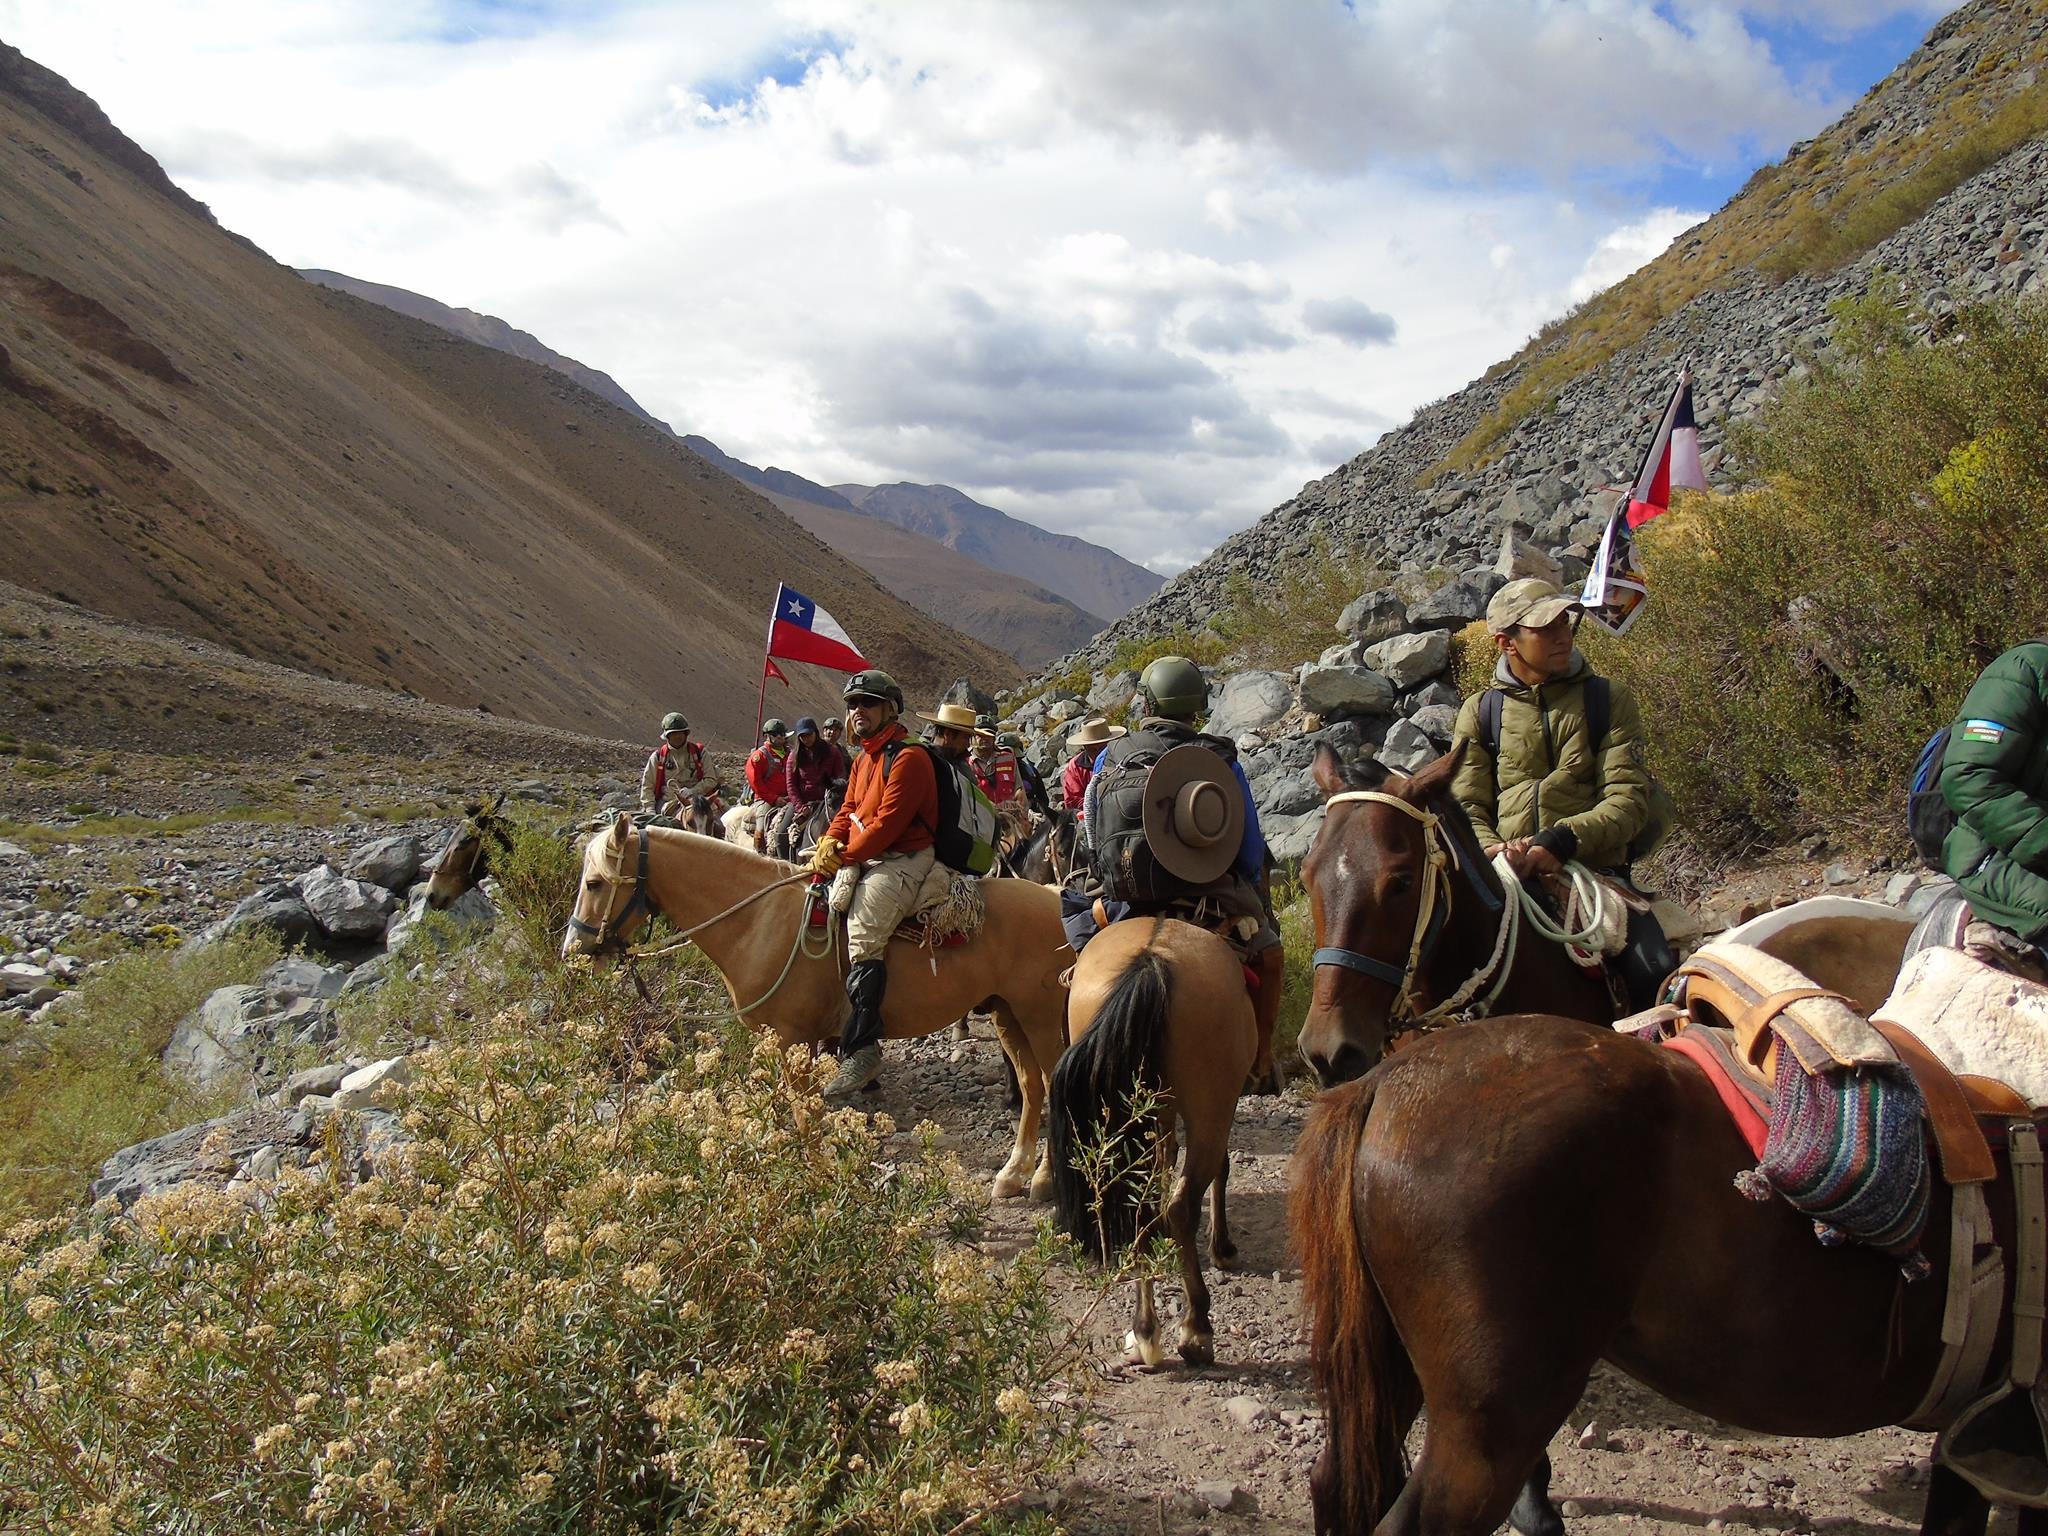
(465, 859)
(752, 927)
(1159, 1014)
(1488, 1214)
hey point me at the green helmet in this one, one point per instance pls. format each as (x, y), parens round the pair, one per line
(673, 721)
(872, 684)
(1011, 740)
(1174, 689)
(773, 727)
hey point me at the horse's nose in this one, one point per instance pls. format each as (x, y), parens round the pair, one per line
(1339, 1066)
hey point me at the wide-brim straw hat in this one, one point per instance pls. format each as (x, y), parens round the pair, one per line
(1093, 732)
(1194, 813)
(955, 717)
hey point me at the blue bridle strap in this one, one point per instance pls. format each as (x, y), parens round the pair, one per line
(1365, 965)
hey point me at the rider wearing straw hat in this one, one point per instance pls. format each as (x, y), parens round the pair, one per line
(1087, 738)
(880, 850)
(952, 730)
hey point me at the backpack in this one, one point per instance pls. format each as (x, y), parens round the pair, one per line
(1122, 858)
(965, 838)
(1929, 818)
(1599, 715)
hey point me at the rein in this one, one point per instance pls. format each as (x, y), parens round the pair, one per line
(1430, 918)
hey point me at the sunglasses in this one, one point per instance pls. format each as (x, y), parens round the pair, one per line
(1569, 619)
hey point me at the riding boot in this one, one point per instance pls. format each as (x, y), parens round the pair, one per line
(1271, 966)
(860, 1042)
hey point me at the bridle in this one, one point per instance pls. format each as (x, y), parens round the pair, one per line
(479, 831)
(1431, 916)
(607, 932)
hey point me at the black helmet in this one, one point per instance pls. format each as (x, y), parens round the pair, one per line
(1174, 688)
(872, 684)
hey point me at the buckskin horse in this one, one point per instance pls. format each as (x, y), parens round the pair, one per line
(747, 915)
(465, 859)
(1162, 1034)
(1485, 1216)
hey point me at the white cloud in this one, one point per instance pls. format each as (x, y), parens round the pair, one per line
(1135, 271)
(1621, 251)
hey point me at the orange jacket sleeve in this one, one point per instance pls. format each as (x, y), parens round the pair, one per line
(908, 809)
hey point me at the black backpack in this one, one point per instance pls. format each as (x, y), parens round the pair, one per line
(1122, 858)
(965, 838)
(1599, 715)
(1929, 817)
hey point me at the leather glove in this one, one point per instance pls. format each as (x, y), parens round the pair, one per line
(825, 858)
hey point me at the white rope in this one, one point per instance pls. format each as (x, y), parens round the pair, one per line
(1589, 896)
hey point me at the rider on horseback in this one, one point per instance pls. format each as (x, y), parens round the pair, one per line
(883, 837)
(675, 768)
(768, 778)
(814, 767)
(1088, 739)
(1029, 780)
(1172, 693)
(1536, 784)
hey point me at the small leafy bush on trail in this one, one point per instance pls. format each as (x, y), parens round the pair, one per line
(538, 880)
(1473, 658)
(1807, 635)
(1280, 624)
(630, 1275)
(73, 1094)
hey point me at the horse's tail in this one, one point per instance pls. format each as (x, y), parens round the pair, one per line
(1090, 1113)
(1361, 1368)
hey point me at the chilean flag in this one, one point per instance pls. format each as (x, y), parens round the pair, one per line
(802, 631)
(1673, 462)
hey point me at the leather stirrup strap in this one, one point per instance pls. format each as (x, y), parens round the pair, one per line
(1753, 1029)
(2030, 1283)
(1959, 1144)
(1970, 1312)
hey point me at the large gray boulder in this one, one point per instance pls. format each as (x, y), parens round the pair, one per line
(345, 908)
(1290, 837)
(1250, 701)
(1336, 692)
(1350, 739)
(473, 909)
(1406, 660)
(276, 908)
(1436, 721)
(1407, 748)
(392, 862)
(1519, 558)
(1285, 794)
(1456, 603)
(243, 1037)
(1111, 694)
(1373, 616)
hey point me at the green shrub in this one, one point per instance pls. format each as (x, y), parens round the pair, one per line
(1473, 658)
(630, 1275)
(71, 1095)
(538, 879)
(1281, 624)
(1807, 635)
(1133, 655)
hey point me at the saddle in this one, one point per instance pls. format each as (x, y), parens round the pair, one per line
(1749, 1019)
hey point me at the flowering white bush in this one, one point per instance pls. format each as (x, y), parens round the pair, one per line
(627, 1276)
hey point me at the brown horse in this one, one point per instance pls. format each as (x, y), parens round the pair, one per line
(786, 978)
(1158, 1014)
(1490, 1213)
(465, 859)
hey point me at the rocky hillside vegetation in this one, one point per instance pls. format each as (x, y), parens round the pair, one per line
(1935, 177)
(193, 436)
(1871, 384)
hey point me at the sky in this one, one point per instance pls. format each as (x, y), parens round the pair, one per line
(1131, 269)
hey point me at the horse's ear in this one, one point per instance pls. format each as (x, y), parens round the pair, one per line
(1428, 783)
(622, 826)
(472, 808)
(497, 803)
(1328, 770)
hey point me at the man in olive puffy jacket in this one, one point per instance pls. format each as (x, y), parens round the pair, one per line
(1994, 775)
(1551, 794)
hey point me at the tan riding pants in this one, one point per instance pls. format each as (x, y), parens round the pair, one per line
(884, 894)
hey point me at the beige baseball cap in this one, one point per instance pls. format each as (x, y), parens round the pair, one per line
(1532, 601)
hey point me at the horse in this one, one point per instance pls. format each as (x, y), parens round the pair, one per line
(1486, 1215)
(743, 912)
(1047, 856)
(465, 859)
(1158, 1010)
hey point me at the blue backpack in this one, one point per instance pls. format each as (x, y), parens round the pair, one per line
(1929, 817)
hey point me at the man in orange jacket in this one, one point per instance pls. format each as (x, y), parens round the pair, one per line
(880, 849)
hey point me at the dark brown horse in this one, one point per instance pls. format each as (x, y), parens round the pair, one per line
(1487, 1215)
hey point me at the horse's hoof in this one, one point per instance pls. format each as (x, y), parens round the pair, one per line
(1145, 1352)
(1041, 1191)
(1198, 1349)
(1007, 1187)
(1224, 1258)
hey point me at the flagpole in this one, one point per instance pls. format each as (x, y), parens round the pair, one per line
(767, 649)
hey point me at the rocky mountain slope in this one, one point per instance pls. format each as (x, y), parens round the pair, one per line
(1538, 446)
(484, 330)
(1095, 579)
(1017, 617)
(192, 436)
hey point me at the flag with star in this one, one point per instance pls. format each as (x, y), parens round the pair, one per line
(802, 631)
